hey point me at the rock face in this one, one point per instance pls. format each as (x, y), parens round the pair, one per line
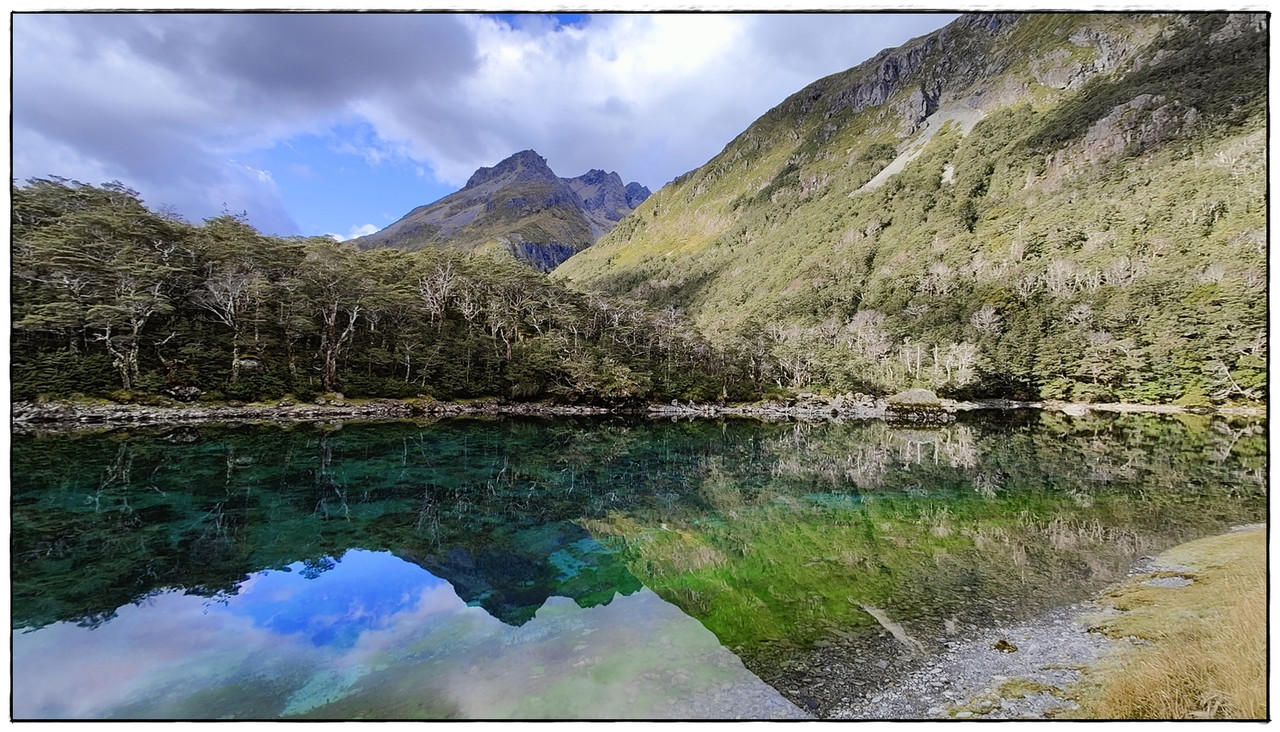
(525, 165)
(602, 192)
(521, 206)
(636, 194)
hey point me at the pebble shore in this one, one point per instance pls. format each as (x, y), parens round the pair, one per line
(806, 407)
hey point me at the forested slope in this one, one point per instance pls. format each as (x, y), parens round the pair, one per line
(1047, 206)
(113, 300)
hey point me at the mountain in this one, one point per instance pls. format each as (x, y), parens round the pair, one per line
(513, 575)
(521, 206)
(1056, 205)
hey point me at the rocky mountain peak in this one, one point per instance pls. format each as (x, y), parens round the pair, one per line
(595, 176)
(636, 194)
(522, 206)
(523, 166)
(605, 193)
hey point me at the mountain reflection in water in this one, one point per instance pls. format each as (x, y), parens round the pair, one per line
(568, 568)
(377, 637)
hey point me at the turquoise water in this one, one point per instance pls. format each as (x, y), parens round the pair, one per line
(594, 569)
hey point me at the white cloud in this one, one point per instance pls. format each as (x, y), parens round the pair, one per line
(651, 96)
(355, 232)
(166, 102)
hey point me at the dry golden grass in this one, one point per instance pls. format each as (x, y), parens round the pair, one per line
(1207, 656)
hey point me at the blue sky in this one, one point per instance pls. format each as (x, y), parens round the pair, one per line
(340, 124)
(324, 178)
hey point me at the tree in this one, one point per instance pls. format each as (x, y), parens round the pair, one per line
(986, 320)
(336, 283)
(101, 284)
(102, 265)
(960, 361)
(436, 284)
(229, 294)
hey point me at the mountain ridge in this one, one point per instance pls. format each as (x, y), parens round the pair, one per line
(935, 216)
(519, 206)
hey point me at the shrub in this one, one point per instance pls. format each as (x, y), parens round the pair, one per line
(256, 386)
(61, 374)
(305, 390)
(361, 386)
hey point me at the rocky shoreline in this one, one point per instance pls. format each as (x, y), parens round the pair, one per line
(805, 407)
(286, 411)
(1002, 669)
(1019, 670)
(993, 661)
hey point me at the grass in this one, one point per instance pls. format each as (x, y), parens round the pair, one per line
(1205, 655)
(1023, 687)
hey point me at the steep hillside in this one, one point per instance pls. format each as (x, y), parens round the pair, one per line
(1048, 205)
(521, 206)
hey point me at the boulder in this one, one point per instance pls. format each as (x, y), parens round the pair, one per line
(184, 435)
(184, 393)
(916, 406)
(915, 398)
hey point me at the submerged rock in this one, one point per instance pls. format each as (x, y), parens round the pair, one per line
(184, 435)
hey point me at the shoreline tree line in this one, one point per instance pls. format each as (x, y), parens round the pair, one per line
(113, 300)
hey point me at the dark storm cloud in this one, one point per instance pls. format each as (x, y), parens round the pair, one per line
(320, 58)
(329, 59)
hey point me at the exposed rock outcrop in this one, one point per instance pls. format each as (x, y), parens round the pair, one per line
(525, 165)
(522, 206)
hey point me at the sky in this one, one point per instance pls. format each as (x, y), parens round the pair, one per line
(340, 124)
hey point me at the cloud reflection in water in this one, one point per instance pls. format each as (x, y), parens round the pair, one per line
(377, 637)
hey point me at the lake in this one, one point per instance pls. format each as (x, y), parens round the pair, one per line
(602, 568)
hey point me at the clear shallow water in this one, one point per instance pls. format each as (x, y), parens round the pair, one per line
(564, 569)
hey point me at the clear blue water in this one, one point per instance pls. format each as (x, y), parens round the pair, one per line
(601, 569)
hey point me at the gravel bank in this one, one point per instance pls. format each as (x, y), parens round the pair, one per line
(807, 407)
(1015, 671)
